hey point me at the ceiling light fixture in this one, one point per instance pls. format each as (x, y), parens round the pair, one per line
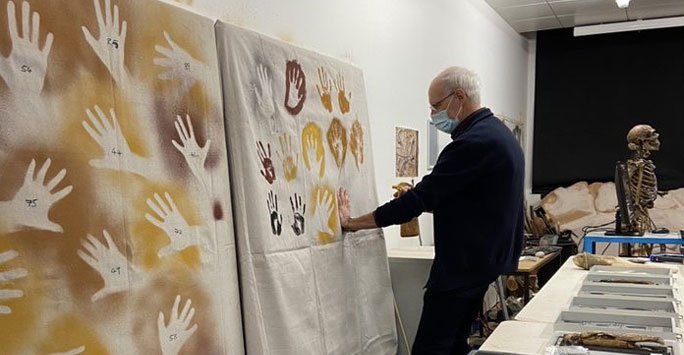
(637, 25)
(623, 4)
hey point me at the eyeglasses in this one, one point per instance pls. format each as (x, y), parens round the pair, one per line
(433, 107)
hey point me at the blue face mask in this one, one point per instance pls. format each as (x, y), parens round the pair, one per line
(443, 122)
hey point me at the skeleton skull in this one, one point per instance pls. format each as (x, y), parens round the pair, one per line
(643, 137)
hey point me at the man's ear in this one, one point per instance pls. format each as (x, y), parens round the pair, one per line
(460, 94)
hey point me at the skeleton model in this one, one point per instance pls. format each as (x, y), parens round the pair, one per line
(642, 140)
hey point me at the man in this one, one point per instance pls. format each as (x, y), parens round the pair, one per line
(475, 192)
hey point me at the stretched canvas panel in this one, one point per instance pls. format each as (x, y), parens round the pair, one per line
(115, 216)
(297, 126)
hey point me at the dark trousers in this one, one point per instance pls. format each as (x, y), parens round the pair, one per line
(446, 320)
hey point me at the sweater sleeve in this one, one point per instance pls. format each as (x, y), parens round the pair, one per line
(460, 164)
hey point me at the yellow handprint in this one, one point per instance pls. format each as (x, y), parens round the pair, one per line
(325, 210)
(343, 95)
(337, 141)
(288, 157)
(356, 143)
(324, 89)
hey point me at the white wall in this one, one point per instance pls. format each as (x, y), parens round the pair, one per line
(400, 45)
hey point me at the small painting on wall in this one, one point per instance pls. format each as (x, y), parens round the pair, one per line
(406, 152)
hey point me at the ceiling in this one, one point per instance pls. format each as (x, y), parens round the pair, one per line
(537, 15)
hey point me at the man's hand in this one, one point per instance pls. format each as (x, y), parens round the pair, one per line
(343, 208)
(348, 224)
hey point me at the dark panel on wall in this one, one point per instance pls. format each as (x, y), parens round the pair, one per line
(591, 90)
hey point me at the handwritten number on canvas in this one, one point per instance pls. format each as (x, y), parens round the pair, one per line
(113, 43)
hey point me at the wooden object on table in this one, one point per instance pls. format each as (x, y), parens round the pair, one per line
(529, 267)
(534, 266)
(410, 228)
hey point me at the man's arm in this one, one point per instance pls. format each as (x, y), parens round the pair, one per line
(367, 221)
(459, 165)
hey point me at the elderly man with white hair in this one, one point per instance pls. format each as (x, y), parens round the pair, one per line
(475, 192)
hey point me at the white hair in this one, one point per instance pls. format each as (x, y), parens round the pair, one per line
(461, 78)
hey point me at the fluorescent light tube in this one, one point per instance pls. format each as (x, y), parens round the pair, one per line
(623, 4)
(629, 26)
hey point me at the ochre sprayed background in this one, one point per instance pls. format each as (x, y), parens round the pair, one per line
(59, 283)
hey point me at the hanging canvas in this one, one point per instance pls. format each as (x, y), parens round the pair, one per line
(115, 215)
(298, 130)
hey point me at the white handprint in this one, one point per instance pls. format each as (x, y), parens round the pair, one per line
(24, 69)
(179, 64)
(110, 46)
(30, 206)
(173, 337)
(174, 224)
(312, 149)
(264, 96)
(108, 135)
(194, 155)
(10, 275)
(108, 262)
(75, 351)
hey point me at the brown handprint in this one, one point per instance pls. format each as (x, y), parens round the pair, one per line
(356, 143)
(324, 89)
(343, 96)
(295, 87)
(268, 172)
(337, 141)
(288, 156)
(312, 147)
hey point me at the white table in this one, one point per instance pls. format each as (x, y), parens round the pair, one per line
(555, 295)
(532, 330)
(519, 338)
(421, 253)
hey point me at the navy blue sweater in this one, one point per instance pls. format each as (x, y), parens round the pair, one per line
(476, 194)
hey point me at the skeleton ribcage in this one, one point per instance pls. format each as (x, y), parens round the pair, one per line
(643, 182)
